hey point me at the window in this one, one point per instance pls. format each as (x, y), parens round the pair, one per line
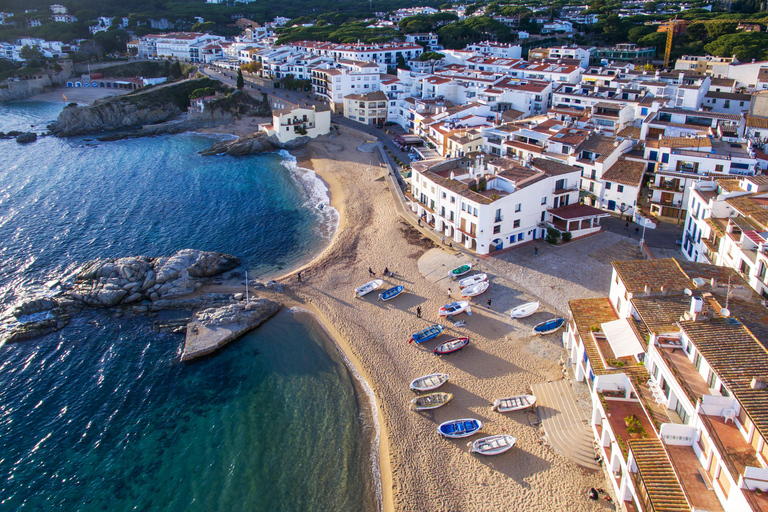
(516, 224)
(444, 195)
(475, 212)
(497, 229)
(543, 200)
(518, 207)
(607, 185)
(463, 206)
(453, 199)
(620, 188)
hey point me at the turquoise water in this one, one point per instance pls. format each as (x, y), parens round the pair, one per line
(102, 415)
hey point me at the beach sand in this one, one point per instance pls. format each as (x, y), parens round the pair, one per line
(420, 469)
(79, 95)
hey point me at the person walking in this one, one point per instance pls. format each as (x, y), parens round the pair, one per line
(418, 311)
(443, 240)
(626, 226)
(419, 221)
(371, 272)
(449, 293)
(637, 231)
(535, 250)
(298, 277)
(489, 303)
(386, 271)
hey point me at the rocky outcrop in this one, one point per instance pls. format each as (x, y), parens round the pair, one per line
(26, 138)
(211, 329)
(253, 144)
(109, 283)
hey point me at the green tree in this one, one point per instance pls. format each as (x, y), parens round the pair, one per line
(715, 30)
(175, 70)
(657, 40)
(745, 45)
(401, 62)
(31, 54)
(240, 81)
(432, 58)
(636, 33)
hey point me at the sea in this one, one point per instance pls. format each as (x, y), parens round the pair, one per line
(103, 415)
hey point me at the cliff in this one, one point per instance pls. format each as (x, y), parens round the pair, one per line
(155, 105)
(252, 144)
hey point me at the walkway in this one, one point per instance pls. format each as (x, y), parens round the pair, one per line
(563, 421)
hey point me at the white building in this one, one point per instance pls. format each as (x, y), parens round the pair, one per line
(487, 207)
(334, 82)
(385, 54)
(293, 122)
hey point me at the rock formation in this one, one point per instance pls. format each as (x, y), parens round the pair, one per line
(252, 144)
(108, 283)
(211, 329)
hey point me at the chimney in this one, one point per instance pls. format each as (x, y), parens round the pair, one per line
(696, 304)
(758, 383)
(647, 289)
(664, 289)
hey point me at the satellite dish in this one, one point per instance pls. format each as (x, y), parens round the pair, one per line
(725, 312)
(688, 292)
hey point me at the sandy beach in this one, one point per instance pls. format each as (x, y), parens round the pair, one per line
(420, 469)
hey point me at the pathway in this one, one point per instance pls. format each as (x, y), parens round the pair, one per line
(564, 422)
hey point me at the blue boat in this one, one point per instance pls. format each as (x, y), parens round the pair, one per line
(427, 334)
(549, 326)
(391, 293)
(460, 428)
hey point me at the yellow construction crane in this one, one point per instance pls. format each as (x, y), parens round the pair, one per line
(674, 23)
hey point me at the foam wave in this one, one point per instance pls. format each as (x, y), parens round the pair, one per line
(318, 196)
(372, 405)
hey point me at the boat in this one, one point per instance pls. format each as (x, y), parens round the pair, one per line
(469, 281)
(454, 308)
(549, 326)
(430, 401)
(460, 428)
(391, 293)
(524, 310)
(429, 382)
(461, 270)
(430, 332)
(493, 445)
(475, 289)
(451, 346)
(368, 287)
(514, 403)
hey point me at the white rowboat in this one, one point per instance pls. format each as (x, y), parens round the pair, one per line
(454, 308)
(368, 287)
(525, 310)
(493, 445)
(429, 382)
(475, 289)
(469, 281)
(430, 401)
(514, 403)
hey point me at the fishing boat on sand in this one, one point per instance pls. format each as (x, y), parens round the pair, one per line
(469, 281)
(524, 310)
(460, 270)
(492, 445)
(427, 334)
(460, 428)
(391, 293)
(514, 403)
(368, 287)
(475, 289)
(451, 346)
(549, 326)
(429, 382)
(454, 308)
(430, 401)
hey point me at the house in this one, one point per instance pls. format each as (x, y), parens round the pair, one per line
(334, 81)
(368, 108)
(294, 121)
(489, 206)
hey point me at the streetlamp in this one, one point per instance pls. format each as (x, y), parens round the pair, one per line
(645, 223)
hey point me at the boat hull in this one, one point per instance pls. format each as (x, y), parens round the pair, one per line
(493, 445)
(429, 382)
(430, 401)
(524, 310)
(469, 281)
(461, 270)
(368, 287)
(475, 290)
(456, 429)
(514, 403)
(427, 334)
(391, 293)
(454, 308)
(549, 326)
(451, 346)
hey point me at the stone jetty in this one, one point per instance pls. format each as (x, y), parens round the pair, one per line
(211, 329)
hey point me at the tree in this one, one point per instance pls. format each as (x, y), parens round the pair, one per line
(175, 70)
(240, 81)
(745, 45)
(636, 33)
(401, 62)
(657, 39)
(31, 54)
(716, 30)
(432, 58)
(251, 67)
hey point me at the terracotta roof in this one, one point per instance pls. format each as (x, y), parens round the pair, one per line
(660, 314)
(587, 313)
(730, 185)
(599, 144)
(636, 274)
(736, 356)
(626, 172)
(631, 132)
(757, 122)
(753, 207)
(369, 96)
(685, 142)
(552, 167)
(654, 468)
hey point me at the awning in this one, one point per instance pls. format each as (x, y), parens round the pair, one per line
(622, 338)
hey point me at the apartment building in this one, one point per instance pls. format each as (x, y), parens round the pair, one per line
(333, 82)
(675, 361)
(368, 108)
(489, 206)
(294, 121)
(385, 54)
(727, 225)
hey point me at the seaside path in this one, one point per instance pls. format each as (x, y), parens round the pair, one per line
(563, 421)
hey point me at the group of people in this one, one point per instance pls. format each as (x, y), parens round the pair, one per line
(387, 272)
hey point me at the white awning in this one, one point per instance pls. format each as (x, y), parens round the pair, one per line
(622, 338)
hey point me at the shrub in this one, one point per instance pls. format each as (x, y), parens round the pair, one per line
(567, 236)
(553, 233)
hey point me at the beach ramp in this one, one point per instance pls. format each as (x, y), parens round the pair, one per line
(564, 422)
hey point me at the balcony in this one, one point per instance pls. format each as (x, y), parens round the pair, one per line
(565, 189)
